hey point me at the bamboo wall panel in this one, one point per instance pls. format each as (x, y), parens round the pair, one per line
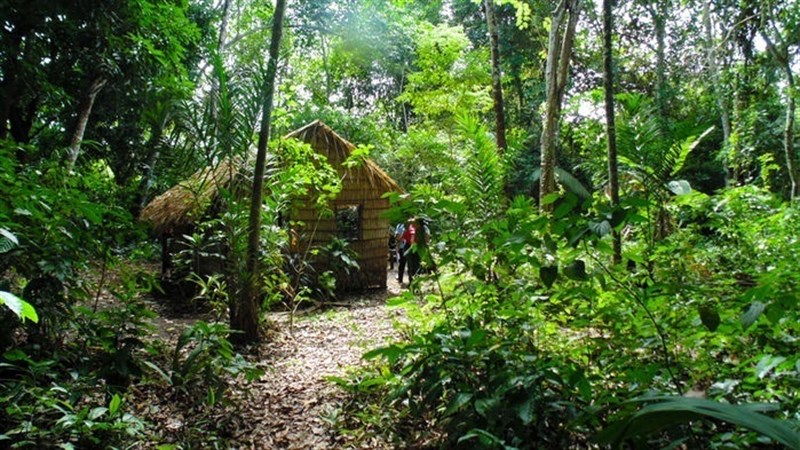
(381, 233)
(373, 214)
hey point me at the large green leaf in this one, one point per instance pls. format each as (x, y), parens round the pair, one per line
(392, 353)
(677, 410)
(566, 179)
(18, 306)
(752, 314)
(679, 187)
(576, 270)
(7, 240)
(548, 275)
(686, 147)
(709, 316)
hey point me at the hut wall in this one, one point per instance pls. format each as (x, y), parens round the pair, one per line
(372, 244)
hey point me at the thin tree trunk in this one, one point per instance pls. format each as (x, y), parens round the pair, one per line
(83, 118)
(788, 135)
(566, 50)
(520, 95)
(611, 128)
(403, 104)
(497, 85)
(223, 36)
(744, 92)
(223, 26)
(244, 318)
(153, 145)
(547, 179)
(559, 51)
(659, 15)
(713, 70)
(782, 56)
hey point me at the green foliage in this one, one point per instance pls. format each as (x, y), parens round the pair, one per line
(665, 412)
(22, 309)
(522, 286)
(450, 76)
(74, 398)
(508, 396)
(652, 157)
(45, 412)
(202, 363)
(18, 306)
(483, 177)
(523, 335)
(59, 226)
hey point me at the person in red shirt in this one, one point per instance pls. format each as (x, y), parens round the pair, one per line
(406, 237)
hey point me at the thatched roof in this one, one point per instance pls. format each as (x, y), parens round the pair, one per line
(337, 149)
(184, 203)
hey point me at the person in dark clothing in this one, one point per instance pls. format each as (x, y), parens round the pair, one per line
(404, 234)
(413, 241)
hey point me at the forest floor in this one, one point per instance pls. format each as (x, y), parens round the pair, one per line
(294, 405)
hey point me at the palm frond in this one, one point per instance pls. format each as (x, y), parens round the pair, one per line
(686, 147)
(484, 174)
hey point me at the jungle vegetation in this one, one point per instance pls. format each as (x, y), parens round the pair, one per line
(611, 189)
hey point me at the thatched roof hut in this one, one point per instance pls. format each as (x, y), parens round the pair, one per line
(358, 209)
(177, 210)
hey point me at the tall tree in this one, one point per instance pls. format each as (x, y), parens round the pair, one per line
(714, 76)
(745, 30)
(611, 128)
(84, 110)
(497, 86)
(779, 48)
(244, 317)
(559, 51)
(659, 11)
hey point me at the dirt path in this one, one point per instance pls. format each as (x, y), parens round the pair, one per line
(293, 404)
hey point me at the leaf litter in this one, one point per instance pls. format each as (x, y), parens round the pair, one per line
(293, 405)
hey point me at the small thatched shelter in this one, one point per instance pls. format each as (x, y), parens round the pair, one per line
(358, 209)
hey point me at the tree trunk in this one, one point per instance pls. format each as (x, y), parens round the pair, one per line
(547, 179)
(713, 71)
(244, 317)
(788, 136)
(223, 26)
(13, 117)
(83, 118)
(403, 105)
(782, 55)
(659, 16)
(223, 36)
(744, 93)
(497, 85)
(153, 145)
(611, 128)
(559, 51)
(520, 96)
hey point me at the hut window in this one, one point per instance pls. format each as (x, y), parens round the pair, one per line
(348, 222)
